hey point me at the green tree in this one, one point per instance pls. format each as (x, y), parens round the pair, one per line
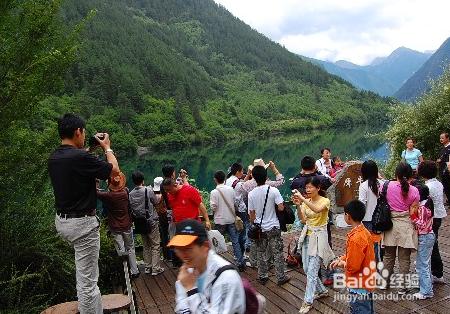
(424, 121)
(35, 266)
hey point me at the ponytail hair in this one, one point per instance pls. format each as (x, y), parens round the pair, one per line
(317, 183)
(403, 173)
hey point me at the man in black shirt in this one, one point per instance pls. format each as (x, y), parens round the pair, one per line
(308, 164)
(444, 160)
(73, 171)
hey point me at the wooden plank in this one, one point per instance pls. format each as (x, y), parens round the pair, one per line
(158, 294)
(147, 300)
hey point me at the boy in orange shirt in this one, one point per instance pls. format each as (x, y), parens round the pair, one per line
(359, 260)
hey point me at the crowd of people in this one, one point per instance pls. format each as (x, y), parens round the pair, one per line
(173, 222)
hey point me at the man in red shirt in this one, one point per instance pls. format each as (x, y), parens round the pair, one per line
(185, 201)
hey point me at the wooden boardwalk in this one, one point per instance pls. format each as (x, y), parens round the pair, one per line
(156, 294)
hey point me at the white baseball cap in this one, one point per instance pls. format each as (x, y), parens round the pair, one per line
(157, 184)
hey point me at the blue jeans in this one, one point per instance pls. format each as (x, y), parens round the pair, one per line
(234, 236)
(361, 303)
(423, 263)
(376, 245)
(245, 240)
(313, 283)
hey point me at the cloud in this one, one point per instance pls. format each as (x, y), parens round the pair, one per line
(357, 30)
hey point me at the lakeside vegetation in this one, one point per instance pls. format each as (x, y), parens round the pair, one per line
(172, 73)
(424, 121)
(196, 76)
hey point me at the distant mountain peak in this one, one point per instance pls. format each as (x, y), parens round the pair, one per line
(346, 64)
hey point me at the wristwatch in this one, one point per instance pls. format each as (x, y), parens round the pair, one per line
(109, 150)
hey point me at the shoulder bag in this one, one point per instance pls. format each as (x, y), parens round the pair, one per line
(142, 224)
(286, 216)
(237, 220)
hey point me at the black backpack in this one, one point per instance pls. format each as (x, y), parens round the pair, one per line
(381, 218)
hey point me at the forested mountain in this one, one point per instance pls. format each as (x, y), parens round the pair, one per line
(419, 83)
(173, 72)
(384, 75)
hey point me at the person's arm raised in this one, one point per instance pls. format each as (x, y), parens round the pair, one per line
(105, 144)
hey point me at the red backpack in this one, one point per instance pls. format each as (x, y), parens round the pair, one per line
(251, 300)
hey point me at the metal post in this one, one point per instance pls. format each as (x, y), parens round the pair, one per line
(128, 283)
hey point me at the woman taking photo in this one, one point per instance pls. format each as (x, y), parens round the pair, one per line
(369, 190)
(411, 155)
(401, 240)
(313, 211)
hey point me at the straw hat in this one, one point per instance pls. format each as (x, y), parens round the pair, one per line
(258, 162)
(117, 183)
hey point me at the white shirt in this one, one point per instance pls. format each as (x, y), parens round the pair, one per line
(369, 198)
(437, 195)
(240, 192)
(227, 296)
(222, 213)
(322, 167)
(256, 200)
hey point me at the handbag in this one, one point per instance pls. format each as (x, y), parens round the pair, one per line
(141, 223)
(218, 241)
(286, 216)
(237, 220)
(381, 218)
(294, 258)
(255, 232)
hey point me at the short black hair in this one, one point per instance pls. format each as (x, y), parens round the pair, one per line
(168, 170)
(168, 182)
(235, 168)
(219, 176)
(427, 169)
(137, 177)
(355, 209)
(308, 163)
(68, 124)
(259, 173)
(324, 149)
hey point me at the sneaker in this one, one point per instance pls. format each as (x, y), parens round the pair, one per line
(306, 307)
(402, 291)
(248, 264)
(148, 270)
(284, 280)
(420, 296)
(157, 270)
(328, 282)
(263, 280)
(321, 295)
(438, 279)
(134, 276)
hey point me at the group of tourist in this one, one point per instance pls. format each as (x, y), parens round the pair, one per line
(245, 205)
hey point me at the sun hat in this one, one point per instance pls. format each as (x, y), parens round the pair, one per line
(260, 162)
(117, 183)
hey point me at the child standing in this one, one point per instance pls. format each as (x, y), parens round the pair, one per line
(358, 259)
(422, 217)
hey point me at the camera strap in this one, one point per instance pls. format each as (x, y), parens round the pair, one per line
(265, 203)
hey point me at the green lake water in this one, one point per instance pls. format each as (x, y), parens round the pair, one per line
(285, 150)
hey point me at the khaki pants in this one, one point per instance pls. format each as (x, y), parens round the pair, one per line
(404, 259)
(83, 235)
(152, 255)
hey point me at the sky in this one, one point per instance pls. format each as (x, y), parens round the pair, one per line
(352, 30)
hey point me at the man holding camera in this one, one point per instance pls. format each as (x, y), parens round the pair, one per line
(73, 171)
